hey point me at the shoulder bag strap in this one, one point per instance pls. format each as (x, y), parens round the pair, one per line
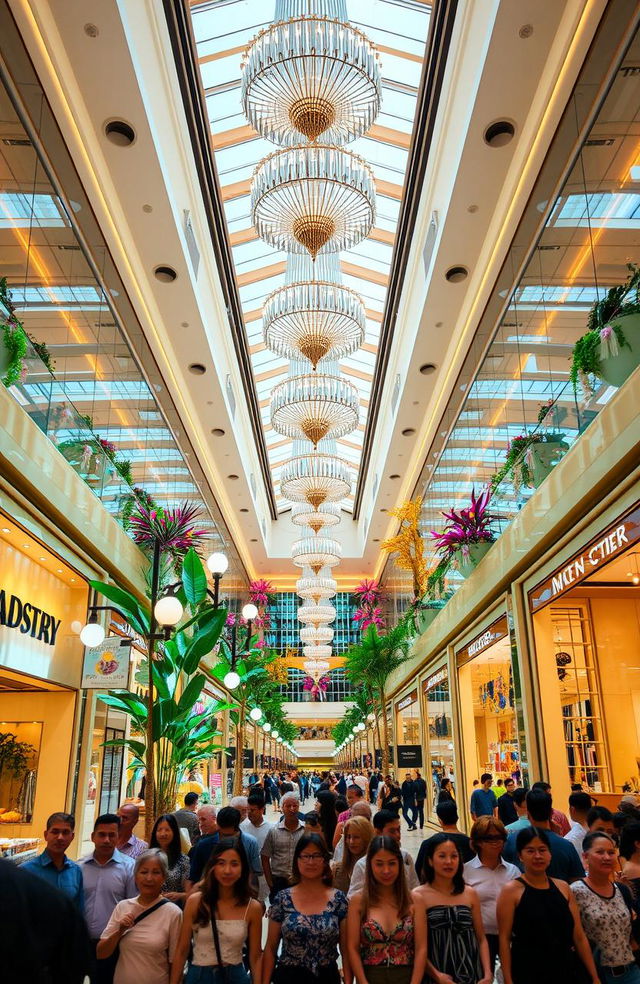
(147, 912)
(216, 940)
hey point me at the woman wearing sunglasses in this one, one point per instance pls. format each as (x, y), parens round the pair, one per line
(309, 920)
(488, 873)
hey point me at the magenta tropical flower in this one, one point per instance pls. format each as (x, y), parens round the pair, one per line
(466, 526)
(368, 592)
(174, 529)
(107, 446)
(259, 591)
(373, 616)
(262, 621)
(230, 620)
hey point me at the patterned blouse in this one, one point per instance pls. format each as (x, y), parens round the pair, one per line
(395, 950)
(175, 879)
(606, 922)
(308, 941)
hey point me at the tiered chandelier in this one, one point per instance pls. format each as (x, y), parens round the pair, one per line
(311, 83)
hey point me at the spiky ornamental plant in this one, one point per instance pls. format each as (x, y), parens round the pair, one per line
(175, 531)
(466, 526)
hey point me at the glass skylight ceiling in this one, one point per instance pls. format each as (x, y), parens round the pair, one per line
(222, 30)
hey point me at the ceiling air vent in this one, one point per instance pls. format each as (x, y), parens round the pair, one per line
(395, 394)
(602, 142)
(547, 249)
(430, 242)
(628, 71)
(69, 249)
(16, 142)
(231, 397)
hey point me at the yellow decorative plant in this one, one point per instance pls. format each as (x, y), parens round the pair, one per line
(408, 544)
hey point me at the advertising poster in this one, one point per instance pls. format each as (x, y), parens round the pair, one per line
(106, 667)
(409, 756)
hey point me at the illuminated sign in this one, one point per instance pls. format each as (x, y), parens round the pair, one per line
(28, 619)
(496, 631)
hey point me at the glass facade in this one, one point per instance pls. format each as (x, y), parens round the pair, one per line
(97, 395)
(520, 358)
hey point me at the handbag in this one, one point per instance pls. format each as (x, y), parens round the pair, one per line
(216, 942)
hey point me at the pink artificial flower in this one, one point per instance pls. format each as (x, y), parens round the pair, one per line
(230, 620)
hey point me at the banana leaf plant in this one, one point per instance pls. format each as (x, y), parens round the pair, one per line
(170, 736)
(255, 683)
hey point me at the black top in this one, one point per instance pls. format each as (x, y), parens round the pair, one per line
(445, 796)
(421, 788)
(392, 801)
(408, 791)
(43, 937)
(507, 809)
(542, 938)
(464, 846)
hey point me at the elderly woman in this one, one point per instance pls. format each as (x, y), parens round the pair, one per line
(488, 873)
(146, 928)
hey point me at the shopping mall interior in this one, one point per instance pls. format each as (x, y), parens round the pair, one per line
(319, 348)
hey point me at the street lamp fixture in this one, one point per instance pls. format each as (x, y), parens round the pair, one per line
(93, 633)
(255, 713)
(218, 565)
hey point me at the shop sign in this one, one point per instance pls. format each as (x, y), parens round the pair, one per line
(436, 678)
(603, 548)
(15, 613)
(215, 787)
(106, 667)
(406, 701)
(409, 756)
(496, 631)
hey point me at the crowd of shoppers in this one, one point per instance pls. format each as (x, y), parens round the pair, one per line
(341, 896)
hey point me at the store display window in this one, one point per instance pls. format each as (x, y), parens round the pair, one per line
(586, 621)
(19, 753)
(408, 720)
(438, 712)
(488, 706)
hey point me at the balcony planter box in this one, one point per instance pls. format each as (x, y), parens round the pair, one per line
(467, 565)
(616, 369)
(543, 456)
(426, 614)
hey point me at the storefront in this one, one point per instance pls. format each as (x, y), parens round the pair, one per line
(438, 715)
(490, 735)
(43, 603)
(585, 615)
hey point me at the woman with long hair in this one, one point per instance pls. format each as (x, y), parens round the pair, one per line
(220, 919)
(308, 919)
(606, 911)
(541, 936)
(327, 811)
(166, 836)
(457, 948)
(358, 834)
(445, 793)
(146, 928)
(386, 929)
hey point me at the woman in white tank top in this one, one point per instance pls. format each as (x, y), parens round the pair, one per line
(225, 897)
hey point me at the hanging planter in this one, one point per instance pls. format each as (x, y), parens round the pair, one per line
(610, 349)
(468, 560)
(543, 456)
(426, 613)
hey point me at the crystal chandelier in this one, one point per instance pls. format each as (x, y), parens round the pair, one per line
(315, 406)
(313, 198)
(317, 652)
(316, 552)
(303, 514)
(317, 588)
(316, 614)
(309, 77)
(315, 478)
(319, 635)
(314, 319)
(317, 667)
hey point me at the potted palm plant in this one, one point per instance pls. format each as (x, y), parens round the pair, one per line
(610, 348)
(467, 535)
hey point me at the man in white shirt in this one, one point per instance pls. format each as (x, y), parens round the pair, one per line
(579, 806)
(386, 824)
(256, 825)
(488, 873)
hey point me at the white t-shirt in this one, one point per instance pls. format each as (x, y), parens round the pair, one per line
(260, 833)
(147, 949)
(359, 868)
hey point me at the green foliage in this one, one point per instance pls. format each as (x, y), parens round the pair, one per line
(15, 342)
(43, 354)
(123, 467)
(617, 303)
(194, 579)
(14, 755)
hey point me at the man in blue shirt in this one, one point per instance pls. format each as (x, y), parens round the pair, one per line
(53, 864)
(565, 863)
(483, 800)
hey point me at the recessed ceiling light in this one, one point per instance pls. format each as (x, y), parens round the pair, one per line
(253, 541)
(383, 510)
(394, 476)
(197, 369)
(376, 540)
(43, 558)
(91, 30)
(499, 134)
(526, 31)
(72, 579)
(244, 510)
(60, 571)
(439, 324)
(233, 478)
(5, 529)
(472, 208)
(26, 546)
(427, 368)
(147, 208)
(184, 324)
(119, 133)
(217, 432)
(165, 274)
(456, 274)
(408, 431)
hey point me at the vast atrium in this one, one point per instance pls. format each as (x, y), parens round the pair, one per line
(319, 402)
